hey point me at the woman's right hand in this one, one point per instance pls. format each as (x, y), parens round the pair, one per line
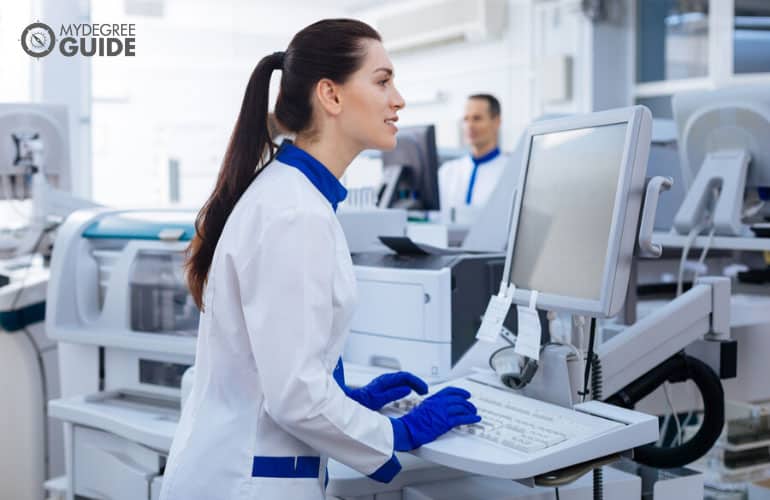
(435, 416)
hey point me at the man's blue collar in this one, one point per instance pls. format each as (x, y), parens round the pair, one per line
(314, 170)
(487, 157)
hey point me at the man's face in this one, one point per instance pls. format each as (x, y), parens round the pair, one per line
(479, 127)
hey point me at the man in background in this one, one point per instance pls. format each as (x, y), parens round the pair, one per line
(466, 183)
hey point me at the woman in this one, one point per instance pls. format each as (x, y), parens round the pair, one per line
(271, 272)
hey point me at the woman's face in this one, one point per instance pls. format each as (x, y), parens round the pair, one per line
(370, 101)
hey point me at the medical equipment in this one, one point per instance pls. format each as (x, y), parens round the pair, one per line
(722, 145)
(31, 445)
(126, 324)
(35, 139)
(34, 180)
(598, 163)
(34, 164)
(410, 171)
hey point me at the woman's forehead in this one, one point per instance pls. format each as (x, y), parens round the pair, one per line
(376, 57)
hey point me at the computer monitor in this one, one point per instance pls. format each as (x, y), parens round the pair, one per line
(723, 148)
(33, 137)
(410, 171)
(576, 212)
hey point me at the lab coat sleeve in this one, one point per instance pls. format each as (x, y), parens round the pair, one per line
(287, 296)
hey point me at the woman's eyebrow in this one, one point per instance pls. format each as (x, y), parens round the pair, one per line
(386, 70)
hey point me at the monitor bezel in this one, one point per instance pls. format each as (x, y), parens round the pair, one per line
(625, 216)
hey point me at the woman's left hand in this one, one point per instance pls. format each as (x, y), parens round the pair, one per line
(387, 388)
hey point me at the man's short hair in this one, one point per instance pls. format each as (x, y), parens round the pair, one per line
(494, 104)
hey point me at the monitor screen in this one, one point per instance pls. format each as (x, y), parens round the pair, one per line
(416, 152)
(565, 219)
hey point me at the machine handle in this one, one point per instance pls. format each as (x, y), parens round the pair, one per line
(655, 186)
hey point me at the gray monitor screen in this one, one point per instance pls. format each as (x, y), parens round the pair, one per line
(566, 212)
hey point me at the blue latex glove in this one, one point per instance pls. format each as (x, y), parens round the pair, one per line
(436, 415)
(387, 388)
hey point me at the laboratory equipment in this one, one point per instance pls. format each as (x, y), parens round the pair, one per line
(32, 448)
(34, 165)
(410, 171)
(722, 146)
(34, 180)
(35, 139)
(595, 167)
(126, 325)
(590, 205)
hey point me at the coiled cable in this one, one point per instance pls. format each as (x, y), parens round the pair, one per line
(679, 368)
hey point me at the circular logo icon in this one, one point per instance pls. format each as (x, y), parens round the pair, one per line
(38, 39)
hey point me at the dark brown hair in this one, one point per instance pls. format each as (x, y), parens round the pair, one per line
(333, 49)
(494, 104)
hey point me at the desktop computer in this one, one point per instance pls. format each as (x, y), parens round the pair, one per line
(572, 240)
(410, 171)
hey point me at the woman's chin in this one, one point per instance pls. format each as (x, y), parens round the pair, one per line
(386, 144)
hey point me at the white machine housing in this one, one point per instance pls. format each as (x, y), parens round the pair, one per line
(120, 372)
(723, 137)
(420, 313)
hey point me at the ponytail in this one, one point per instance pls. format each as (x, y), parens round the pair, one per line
(250, 148)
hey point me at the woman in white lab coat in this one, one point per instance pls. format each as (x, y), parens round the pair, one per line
(271, 272)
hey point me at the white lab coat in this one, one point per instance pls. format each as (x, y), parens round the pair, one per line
(455, 175)
(279, 300)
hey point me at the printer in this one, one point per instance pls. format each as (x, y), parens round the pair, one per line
(420, 313)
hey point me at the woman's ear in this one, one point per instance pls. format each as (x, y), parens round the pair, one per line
(328, 94)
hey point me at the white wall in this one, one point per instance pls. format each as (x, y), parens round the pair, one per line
(179, 97)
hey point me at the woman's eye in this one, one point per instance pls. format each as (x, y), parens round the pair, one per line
(383, 82)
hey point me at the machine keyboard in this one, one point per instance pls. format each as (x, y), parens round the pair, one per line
(513, 421)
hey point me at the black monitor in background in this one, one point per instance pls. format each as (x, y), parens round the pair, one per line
(410, 171)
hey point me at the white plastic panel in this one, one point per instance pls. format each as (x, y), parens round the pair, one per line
(430, 360)
(372, 318)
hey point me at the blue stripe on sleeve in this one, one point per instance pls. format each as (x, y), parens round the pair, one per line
(387, 472)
